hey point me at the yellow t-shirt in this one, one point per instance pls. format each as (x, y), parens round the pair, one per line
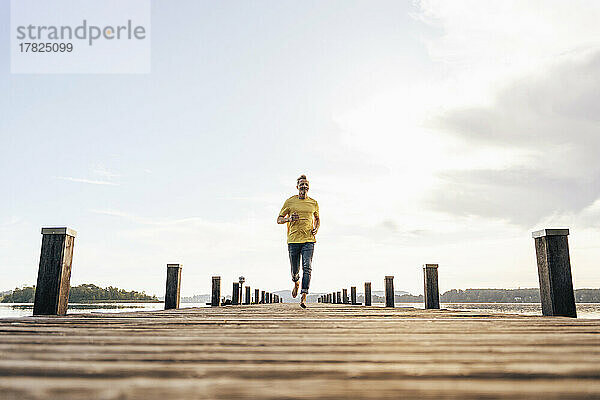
(300, 231)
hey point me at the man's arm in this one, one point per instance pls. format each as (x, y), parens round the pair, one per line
(285, 210)
(282, 219)
(317, 224)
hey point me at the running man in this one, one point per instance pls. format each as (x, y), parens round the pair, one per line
(301, 213)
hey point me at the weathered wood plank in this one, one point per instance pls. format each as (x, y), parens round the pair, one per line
(279, 350)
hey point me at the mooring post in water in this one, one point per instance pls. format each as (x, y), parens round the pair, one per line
(333, 299)
(345, 296)
(339, 297)
(554, 272)
(389, 291)
(352, 294)
(173, 286)
(262, 297)
(241, 296)
(235, 294)
(54, 271)
(247, 300)
(215, 299)
(367, 293)
(431, 292)
(256, 296)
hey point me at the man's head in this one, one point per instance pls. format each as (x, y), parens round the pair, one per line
(302, 185)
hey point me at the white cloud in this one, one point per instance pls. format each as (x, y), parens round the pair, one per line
(88, 181)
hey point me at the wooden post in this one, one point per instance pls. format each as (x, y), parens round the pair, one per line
(173, 286)
(389, 291)
(431, 292)
(256, 296)
(345, 296)
(329, 298)
(554, 272)
(353, 294)
(235, 294)
(262, 297)
(333, 298)
(215, 300)
(270, 298)
(339, 297)
(367, 293)
(247, 300)
(54, 272)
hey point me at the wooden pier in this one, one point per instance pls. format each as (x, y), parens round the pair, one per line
(275, 351)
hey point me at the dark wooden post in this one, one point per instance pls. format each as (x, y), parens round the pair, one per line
(215, 300)
(333, 299)
(554, 272)
(54, 272)
(173, 286)
(329, 298)
(389, 291)
(353, 294)
(256, 296)
(431, 292)
(270, 298)
(345, 296)
(247, 301)
(235, 294)
(262, 297)
(367, 293)
(339, 297)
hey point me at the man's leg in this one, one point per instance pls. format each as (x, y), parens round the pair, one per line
(294, 252)
(307, 255)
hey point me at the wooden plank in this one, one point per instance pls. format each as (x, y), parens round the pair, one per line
(282, 351)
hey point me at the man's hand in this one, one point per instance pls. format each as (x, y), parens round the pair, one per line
(314, 231)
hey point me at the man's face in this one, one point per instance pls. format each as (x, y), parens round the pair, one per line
(302, 185)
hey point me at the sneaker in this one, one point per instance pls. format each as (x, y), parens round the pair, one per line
(295, 289)
(303, 301)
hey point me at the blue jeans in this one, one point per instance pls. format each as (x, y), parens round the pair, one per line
(306, 250)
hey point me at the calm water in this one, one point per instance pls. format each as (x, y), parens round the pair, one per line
(584, 310)
(26, 310)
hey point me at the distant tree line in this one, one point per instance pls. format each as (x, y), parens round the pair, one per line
(531, 295)
(81, 294)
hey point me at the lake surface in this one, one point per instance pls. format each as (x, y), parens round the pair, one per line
(584, 310)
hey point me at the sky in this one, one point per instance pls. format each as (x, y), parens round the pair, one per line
(431, 132)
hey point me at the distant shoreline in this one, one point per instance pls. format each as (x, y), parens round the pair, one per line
(99, 301)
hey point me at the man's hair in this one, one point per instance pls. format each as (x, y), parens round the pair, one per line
(300, 178)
